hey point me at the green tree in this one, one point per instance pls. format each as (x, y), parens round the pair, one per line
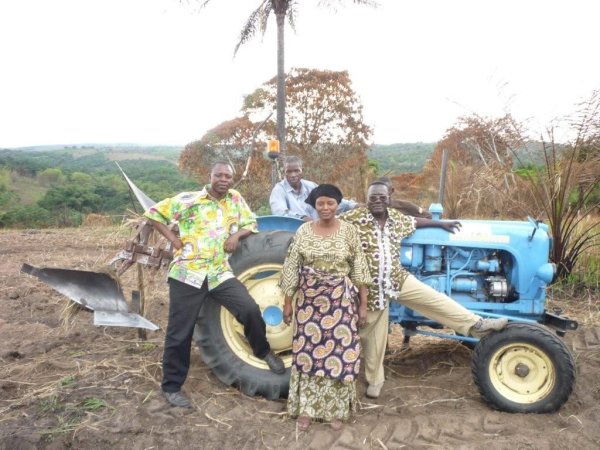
(113, 194)
(80, 198)
(257, 21)
(81, 178)
(5, 180)
(7, 195)
(51, 176)
(28, 216)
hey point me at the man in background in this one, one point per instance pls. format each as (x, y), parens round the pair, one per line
(289, 195)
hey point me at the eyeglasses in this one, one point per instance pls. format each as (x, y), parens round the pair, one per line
(374, 198)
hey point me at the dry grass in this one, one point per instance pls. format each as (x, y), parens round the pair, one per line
(74, 363)
(96, 220)
(576, 303)
(73, 385)
(587, 269)
(29, 193)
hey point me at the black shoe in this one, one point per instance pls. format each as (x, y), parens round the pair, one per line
(275, 363)
(177, 399)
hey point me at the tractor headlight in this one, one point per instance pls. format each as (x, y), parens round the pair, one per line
(546, 272)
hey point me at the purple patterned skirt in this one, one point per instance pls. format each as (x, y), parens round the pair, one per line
(326, 341)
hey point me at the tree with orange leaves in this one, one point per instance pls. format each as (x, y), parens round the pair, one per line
(324, 127)
(480, 166)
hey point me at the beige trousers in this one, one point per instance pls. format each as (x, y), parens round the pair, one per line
(373, 339)
(427, 302)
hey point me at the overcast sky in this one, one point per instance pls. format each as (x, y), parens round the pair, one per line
(162, 72)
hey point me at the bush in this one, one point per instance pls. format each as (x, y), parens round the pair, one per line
(29, 216)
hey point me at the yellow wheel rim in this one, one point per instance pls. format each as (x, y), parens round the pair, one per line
(261, 282)
(522, 373)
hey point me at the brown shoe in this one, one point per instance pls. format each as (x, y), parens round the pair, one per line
(303, 423)
(336, 425)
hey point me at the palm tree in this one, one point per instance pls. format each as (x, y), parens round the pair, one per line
(257, 21)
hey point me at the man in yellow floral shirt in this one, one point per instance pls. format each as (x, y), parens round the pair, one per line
(211, 223)
(381, 230)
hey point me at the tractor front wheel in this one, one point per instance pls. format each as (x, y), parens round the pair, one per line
(524, 368)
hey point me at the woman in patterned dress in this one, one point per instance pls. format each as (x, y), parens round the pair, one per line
(326, 266)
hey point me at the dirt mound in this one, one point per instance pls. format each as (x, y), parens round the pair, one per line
(65, 383)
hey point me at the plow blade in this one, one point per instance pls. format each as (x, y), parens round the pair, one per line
(120, 319)
(144, 200)
(98, 292)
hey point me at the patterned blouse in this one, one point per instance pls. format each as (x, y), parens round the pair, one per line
(205, 223)
(382, 250)
(338, 254)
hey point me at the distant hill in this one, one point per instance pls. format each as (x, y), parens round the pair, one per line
(396, 159)
(401, 158)
(392, 159)
(59, 185)
(83, 158)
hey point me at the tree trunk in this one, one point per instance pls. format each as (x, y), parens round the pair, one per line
(280, 81)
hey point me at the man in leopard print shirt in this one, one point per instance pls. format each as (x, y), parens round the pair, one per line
(381, 231)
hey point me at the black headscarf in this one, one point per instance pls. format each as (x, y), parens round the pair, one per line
(324, 190)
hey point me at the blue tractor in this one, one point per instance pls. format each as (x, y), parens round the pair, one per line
(494, 268)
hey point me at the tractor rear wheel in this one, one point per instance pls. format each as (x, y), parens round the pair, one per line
(524, 368)
(220, 337)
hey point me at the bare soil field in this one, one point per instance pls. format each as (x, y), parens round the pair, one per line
(65, 383)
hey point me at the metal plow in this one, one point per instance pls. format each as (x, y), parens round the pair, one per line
(102, 293)
(98, 292)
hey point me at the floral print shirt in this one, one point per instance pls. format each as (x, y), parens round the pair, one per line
(339, 254)
(382, 250)
(204, 223)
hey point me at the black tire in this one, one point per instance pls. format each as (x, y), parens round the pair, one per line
(225, 351)
(524, 368)
(261, 248)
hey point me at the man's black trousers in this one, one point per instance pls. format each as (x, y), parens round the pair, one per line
(184, 306)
